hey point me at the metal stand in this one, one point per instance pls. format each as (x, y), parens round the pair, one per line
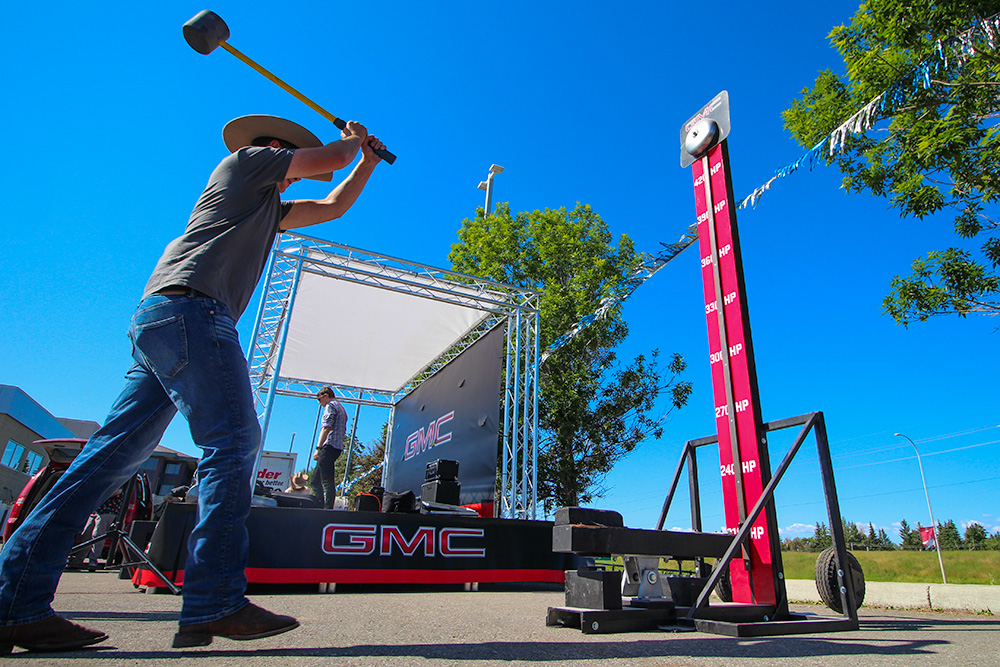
(593, 609)
(121, 543)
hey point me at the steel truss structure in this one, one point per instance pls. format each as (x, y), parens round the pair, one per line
(295, 256)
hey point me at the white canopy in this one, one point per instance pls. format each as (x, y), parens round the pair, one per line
(369, 336)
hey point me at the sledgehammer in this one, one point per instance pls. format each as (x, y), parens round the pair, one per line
(207, 30)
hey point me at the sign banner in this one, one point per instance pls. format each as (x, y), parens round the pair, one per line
(453, 415)
(276, 469)
(334, 546)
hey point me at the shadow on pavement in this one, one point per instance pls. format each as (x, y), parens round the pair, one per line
(83, 617)
(544, 651)
(910, 624)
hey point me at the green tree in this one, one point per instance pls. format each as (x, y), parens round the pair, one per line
(883, 541)
(821, 537)
(796, 544)
(366, 471)
(993, 542)
(948, 536)
(938, 152)
(340, 464)
(909, 537)
(871, 539)
(592, 409)
(975, 536)
(853, 537)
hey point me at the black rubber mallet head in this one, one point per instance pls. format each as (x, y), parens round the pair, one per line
(206, 31)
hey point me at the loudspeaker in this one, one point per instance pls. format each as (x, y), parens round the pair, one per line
(438, 491)
(442, 469)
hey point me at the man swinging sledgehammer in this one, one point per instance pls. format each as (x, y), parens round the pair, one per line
(188, 358)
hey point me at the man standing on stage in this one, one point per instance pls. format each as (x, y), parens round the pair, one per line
(188, 358)
(329, 447)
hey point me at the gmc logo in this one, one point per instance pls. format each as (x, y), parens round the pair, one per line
(420, 440)
(367, 540)
(709, 108)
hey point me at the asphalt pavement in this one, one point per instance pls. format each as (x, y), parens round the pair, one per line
(487, 627)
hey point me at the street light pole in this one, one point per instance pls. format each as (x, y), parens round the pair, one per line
(937, 542)
(488, 186)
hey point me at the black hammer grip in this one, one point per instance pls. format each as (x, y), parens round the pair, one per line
(382, 153)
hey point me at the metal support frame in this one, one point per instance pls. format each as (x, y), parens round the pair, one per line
(516, 308)
(588, 532)
(810, 422)
(121, 544)
(350, 451)
(519, 444)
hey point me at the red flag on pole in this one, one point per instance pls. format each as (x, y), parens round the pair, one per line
(927, 536)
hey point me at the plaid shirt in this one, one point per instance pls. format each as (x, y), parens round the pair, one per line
(335, 418)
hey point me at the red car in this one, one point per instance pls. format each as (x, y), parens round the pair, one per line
(61, 453)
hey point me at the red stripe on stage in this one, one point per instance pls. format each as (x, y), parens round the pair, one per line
(316, 576)
(484, 510)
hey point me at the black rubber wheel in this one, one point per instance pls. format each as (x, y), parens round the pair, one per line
(828, 585)
(724, 589)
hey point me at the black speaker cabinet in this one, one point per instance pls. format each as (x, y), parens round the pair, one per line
(442, 469)
(446, 493)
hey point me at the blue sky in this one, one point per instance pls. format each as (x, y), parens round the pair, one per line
(116, 123)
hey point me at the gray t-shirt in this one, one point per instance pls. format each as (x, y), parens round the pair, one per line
(223, 251)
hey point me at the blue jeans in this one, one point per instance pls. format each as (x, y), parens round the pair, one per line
(187, 358)
(323, 481)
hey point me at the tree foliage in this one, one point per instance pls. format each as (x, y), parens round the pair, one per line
(948, 535)
(365, 469)
(855, 538)
(821, 538)
(975, 536)
(909, 537)
(937, 153)
(593, 410)
(993, 541)
(878, 541)
(796, 544)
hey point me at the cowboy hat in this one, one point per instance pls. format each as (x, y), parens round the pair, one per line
(241, 131)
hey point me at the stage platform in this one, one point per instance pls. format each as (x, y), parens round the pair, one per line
(306, 546)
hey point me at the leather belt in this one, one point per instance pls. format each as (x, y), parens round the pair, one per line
(173, 290)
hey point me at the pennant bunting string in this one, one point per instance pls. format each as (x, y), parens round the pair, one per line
(961, 47)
